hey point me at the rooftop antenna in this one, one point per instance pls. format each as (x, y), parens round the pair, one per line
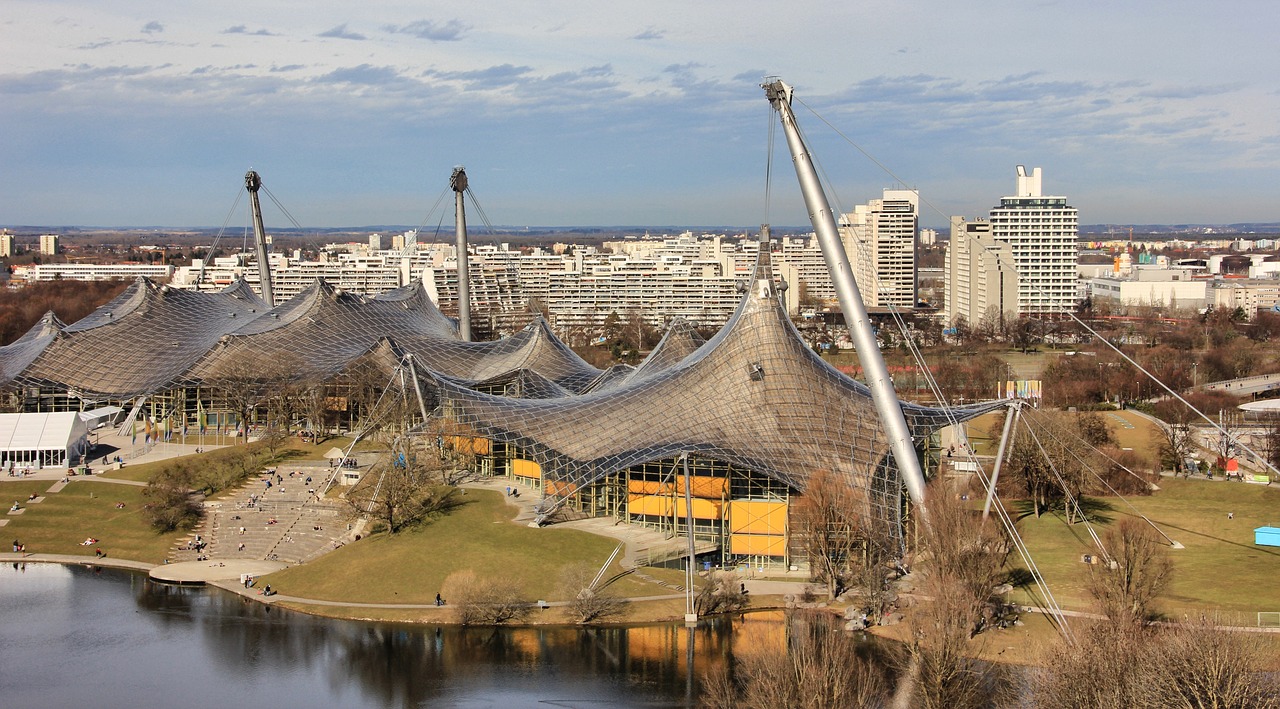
(253, 182)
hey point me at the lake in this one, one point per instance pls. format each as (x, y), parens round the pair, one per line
(74, 636)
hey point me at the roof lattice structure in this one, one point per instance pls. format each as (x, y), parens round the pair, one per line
(754, 396)
(19, 354)
(140, 342)
(318, 333)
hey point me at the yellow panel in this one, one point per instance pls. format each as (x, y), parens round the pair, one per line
(526, 469)
(757, 545)
(467, 444)
(560, 487)
(656, 505)
(757, 517)
(647, 487)
(705, 486)
(704, 509)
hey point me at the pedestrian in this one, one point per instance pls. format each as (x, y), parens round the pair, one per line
(98, 552)
(241, 547)
(17, 547)
(1231, 515)
(439, 600)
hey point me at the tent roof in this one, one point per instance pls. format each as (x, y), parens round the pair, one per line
(42, 431)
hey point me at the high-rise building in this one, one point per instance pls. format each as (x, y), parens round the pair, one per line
(880, 239)
(1041, 231)
(981, 282)
(48, 244)
(6, 245)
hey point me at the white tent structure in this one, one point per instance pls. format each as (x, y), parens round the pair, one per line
(42, 440)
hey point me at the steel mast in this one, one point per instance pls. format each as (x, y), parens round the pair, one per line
(252, 182)
(855, 311)
(458, 183)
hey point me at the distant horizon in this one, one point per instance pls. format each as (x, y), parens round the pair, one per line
(32, 230)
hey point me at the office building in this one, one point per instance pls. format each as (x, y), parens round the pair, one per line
(1041, 231)
(880, 239)
(981, 282)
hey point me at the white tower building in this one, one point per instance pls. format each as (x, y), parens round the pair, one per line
(880, 239)
(1041, 231)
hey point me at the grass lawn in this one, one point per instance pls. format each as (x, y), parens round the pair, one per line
(142, 472)
(86, 509)
(294, 449)
(1219, 569)
(410, 567)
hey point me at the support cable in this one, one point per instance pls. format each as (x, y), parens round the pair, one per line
(1048, 431)
(1055, 611)
(1174, 394)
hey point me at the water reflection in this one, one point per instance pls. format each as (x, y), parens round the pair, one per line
(126, 638)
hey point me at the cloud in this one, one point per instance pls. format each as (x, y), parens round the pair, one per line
(241, 29)
(650, 33)
(152, 27)
(365, 75)
(450, 31)
(340, 32)
(81, 75)
(492, 77)
(287, 67)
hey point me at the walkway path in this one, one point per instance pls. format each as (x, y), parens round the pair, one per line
(106, 562)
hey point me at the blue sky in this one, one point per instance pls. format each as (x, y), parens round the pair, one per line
(586, 113)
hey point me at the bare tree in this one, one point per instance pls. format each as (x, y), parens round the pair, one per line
(828, 521)
(1194, 665)
(1202, 665)
(1138, 569)
(448, 450)
(169, 503)
(1177, 441)
(1096, 672)
(587, 602)
(399, 491)
(1050, 462)
(723, 593)
(820, 667)
(962, 561)
(479, 601)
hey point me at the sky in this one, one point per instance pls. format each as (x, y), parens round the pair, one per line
(576, 113)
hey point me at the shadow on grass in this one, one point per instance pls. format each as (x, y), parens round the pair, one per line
(1250, 547)
(1095, 509)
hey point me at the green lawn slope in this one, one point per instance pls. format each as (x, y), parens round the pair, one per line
(411, 566)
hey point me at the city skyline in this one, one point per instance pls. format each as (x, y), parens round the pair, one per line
(150, 115)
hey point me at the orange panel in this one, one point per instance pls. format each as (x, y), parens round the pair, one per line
(757, 545)
(704, 509)
(656, 505)
(758, 517)
(705, 486)
(526, 469)
(467, 444)
(647, 487)
(560, 487)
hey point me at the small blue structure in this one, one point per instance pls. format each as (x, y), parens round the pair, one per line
(1267, 536)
